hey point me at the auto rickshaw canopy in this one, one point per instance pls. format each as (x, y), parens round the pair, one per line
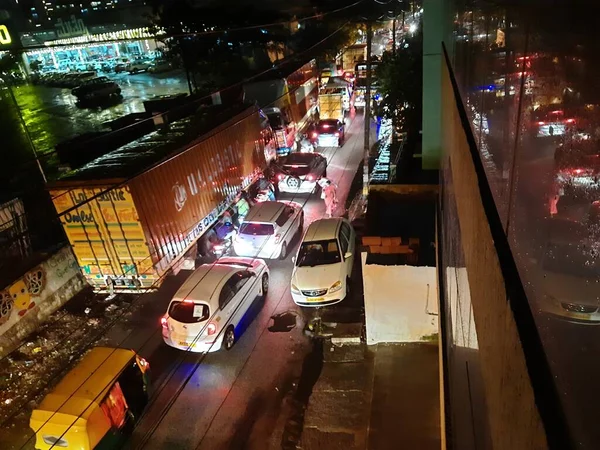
(72, 411)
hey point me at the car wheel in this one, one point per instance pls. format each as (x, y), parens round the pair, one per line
(283, 253)
(229, 338)
(265, 285)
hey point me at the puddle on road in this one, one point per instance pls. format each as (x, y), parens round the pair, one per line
(284, 322)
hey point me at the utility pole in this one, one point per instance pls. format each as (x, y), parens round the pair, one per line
(367, 115)
(394, 37)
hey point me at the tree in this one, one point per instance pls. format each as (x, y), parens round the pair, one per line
(217, 44)
(400, 79)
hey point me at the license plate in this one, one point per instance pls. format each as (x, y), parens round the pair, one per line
(185, 344)
(315, 300)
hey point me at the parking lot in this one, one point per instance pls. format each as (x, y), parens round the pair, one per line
(52, 114)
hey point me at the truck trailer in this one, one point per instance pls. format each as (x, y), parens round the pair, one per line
(132, 214)
(289, 98)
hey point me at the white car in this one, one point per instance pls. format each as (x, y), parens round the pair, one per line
(323, 265)
(268, 229)
(205, 313)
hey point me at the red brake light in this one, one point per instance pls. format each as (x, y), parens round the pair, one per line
(188, 301)
(315, 135)
(337, 133)
(163, 321)
(281, 176)
(578, 171)
(541, 123)
(211, 329)
(570, 120)
(310, 177)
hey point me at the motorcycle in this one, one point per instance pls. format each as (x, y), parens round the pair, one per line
(306, 146)
(226, 233)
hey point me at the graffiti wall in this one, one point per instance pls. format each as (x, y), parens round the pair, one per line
(29, 300)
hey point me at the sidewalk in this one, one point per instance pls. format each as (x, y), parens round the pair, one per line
(377, 398)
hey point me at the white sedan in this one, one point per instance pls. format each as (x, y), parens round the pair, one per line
(268, 229)
(205, 313)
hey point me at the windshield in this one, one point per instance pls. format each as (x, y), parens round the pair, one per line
(188, 312)
(318, 253)
(297, 170)
(256, 229)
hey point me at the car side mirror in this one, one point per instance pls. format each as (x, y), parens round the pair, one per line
(294, 259)
(347, 255)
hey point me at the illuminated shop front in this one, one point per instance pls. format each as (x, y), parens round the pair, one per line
(100, 51)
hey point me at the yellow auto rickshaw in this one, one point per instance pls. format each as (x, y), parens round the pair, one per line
(95, 404)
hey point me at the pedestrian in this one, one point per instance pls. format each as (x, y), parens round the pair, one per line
(329, 194)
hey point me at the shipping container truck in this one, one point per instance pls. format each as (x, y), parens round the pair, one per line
(333, 102)
(352, 55)
(133, 214)
(289, 98)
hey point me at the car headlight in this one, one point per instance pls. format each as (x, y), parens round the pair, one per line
(335, 286)
(295, 289)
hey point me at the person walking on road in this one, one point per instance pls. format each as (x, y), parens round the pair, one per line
(329, 194)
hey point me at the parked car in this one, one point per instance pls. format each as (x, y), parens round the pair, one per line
(160, 67)
(139, 66)
(323, 264)
(268, 229)
(298, 173)
(100, 87)
(205, 313)
(329, 133)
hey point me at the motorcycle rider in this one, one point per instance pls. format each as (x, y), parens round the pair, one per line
(306, 146)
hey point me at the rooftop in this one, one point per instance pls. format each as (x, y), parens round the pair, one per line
(143, 153)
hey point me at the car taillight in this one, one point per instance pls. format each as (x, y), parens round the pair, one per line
(315, 135)
(163, 321)
(211, 329)
(337, 134)
(310, 177)
(281, 176)
(278, 237)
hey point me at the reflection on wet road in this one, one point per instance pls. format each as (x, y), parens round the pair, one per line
(52, 115)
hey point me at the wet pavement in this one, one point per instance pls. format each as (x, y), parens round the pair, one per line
(241, 398)
(52, 114)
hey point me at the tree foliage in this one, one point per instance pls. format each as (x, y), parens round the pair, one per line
(208, 43)
(400, 79)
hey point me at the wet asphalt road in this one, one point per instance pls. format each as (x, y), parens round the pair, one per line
(240, 398)
(52, 115)
(236, 399)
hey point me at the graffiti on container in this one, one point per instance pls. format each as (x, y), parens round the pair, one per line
(81, 217)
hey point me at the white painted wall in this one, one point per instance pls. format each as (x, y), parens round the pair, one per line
(401, 303)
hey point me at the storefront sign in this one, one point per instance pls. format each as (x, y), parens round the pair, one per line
(5, 38)
(71, 28)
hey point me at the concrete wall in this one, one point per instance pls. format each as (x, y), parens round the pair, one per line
(28, 301)
(400, 302)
